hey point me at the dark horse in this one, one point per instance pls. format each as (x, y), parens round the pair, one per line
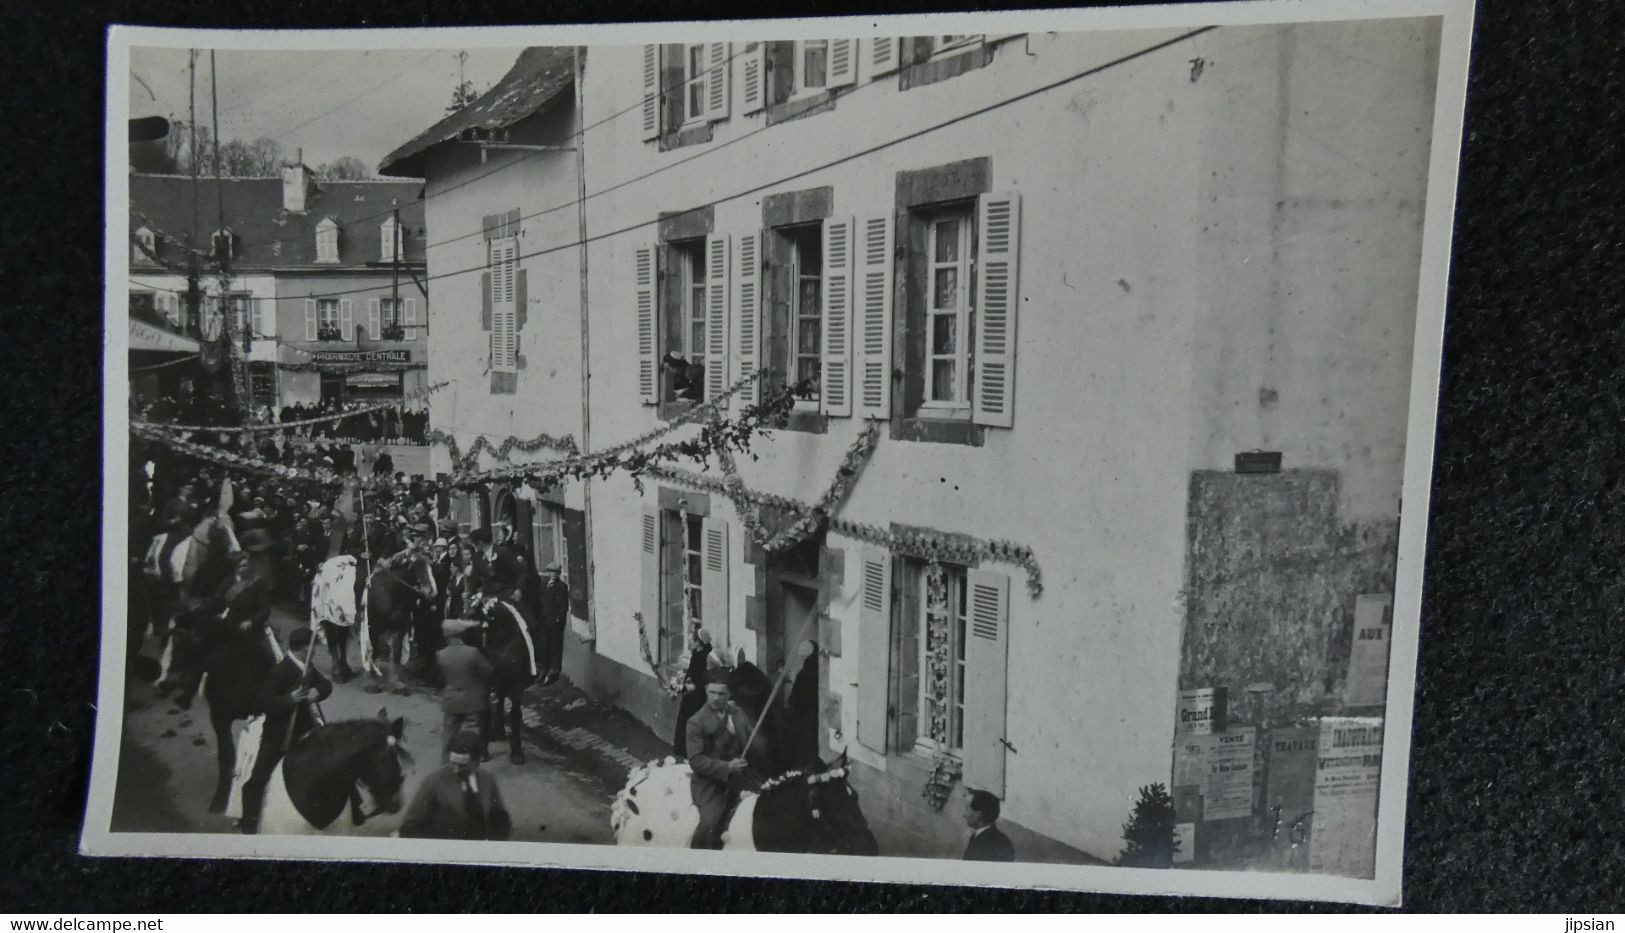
(511, 648)
(395, 594)
(231, 663)
(789, 727)
(357, 764)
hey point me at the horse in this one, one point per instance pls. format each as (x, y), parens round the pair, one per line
(392, 598)
(356, 764)
(196, 565)
(813, 812)
(231, 663)
(508, 644)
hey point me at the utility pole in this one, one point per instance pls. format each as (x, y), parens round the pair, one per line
(237, 384)
(395, 264)
(586, 356)
(194, 302)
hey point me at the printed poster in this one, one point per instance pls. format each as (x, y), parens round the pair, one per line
(1201, 712)
(1293, 754)
(1228, 793)
(1367, 683)
(1343, 837)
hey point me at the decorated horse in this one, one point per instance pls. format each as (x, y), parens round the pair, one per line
(384, 612)
(811, 811)
(509, 645)
(183, 565)
(356, 765)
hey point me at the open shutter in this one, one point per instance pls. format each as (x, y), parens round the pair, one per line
(485, 301)
(716, 314)
(347, 319)
(650, 578)
(409, 317)
(874, 308)
(997, 299)
(987, 651)
(843, 63)
(717, 98)
(504, 325)
(714, 581)
(643, 283)
(747, 277)
(651, 93)
(874, 649)
(753, 78)
(310, 319)
(577, 567)
(882, 58)
(834, 395)
(374, 313)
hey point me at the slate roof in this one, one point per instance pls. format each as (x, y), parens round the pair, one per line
(267, 237)
(537, 77)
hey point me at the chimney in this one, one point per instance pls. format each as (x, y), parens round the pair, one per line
(295, 184)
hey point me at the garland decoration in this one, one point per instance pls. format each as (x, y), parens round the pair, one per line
(673, 686)
(938, 645)
(502, 452)
(939, 785)
(136, 423)
(189, 358)
(251, 464)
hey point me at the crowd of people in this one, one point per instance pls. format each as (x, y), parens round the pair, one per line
(381, 426)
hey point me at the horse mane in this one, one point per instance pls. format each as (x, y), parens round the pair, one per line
(802, 777)
(335, 734)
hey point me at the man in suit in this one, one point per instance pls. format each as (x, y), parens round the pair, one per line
(285, 698)
(467, 677)
(716, 738)
(554, 604)
(458, 800)
(987, 843)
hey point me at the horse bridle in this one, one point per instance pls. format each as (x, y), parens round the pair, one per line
(359, 789)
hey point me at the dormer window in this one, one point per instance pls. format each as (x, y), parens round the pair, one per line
(147, 247)
(389, 241)
(224, 244)
(327, 241)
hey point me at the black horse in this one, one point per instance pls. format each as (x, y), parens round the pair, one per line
(789, 726)
(357, 764)
(509, 645)
(231, 663)
(395, 594)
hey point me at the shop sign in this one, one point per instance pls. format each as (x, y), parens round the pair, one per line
(362, 356)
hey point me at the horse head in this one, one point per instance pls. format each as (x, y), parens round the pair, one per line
(381, 768)
(838, 825)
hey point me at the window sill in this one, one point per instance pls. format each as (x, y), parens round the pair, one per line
(797, 107)
(692, 135)
(937, 430)
(951, 65)
(669, 411)
(809, 421)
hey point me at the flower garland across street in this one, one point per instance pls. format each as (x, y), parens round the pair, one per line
(502, 452)
(247, 464)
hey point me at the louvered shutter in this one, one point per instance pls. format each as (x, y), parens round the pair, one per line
(714, 581)
(882, 58)
(717, 96)
(997, 299)
(374, 313)
(650, 574)
(346, 319)
(843, 63)
(504, 323)
(753, 78)
(716, 315)
(747, 279)
(410, 316)
(987, 651)
(651, 93)
(874, 648)
(874, 309)
(643, 283)
(834, 395)
(310, 319)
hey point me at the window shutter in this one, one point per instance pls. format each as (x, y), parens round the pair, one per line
(753, 65)
(998, 227)
(577, 566)
(504, 326)
(409, 316)
(747, 313)
(650, 578)
(346, 319)
(714, 581)
(643, 283)
(310, 319)
(716, 314)
(834, 396)
(716, 81)
(651, 92)
(521, 300)
(882, 57)
(843, 63)
(874, 649)
(874, 306)
(374, 314)
(987, 651)
(485, 301)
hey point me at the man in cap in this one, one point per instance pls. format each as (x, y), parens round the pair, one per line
(458, 800)
(285, 697)
(553, 602)
(716, 739)
(467, 676)
(247, 597)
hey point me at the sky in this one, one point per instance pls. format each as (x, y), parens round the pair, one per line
(330, 103)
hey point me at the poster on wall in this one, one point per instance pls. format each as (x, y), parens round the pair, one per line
(1367, 683)
(1201, 712)
(1228, 793)
(1292, 758)
(1344, 834)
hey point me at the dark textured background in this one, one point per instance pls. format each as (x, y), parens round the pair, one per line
(1515, 799)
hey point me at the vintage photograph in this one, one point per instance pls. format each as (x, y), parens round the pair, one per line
(841, 448)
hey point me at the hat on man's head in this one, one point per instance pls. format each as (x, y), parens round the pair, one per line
(441, 542)
(256, 540)
(423, 528)
(480, 536)
(553, 567)
(299, 639)
(466, 742)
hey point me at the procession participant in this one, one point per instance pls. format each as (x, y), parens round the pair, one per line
(716, 739)
(284, 698)
(247, 597)
(499, 572)
(465, 698)
(553, 602)
(987, 842)
(458, 800)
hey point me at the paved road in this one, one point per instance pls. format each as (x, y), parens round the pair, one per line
(167, 765)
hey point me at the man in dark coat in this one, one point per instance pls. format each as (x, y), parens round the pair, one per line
(987, 842)
(716, 739)
(466, 694)
(458, 800)
(553, 611)
(284, 697)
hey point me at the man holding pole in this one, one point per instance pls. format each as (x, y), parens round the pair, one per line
(720, 737)
(286, 697)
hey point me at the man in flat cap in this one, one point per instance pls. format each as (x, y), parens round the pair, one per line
(553, 601)
(467, 675)
(716, 739)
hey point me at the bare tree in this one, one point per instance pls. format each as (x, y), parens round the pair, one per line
(343, 168)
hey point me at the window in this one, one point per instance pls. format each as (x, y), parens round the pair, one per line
(687, 323)
(950, 316)
(941, 44)
(224, 244)
(806, 310)
(388, 241)
(244, 315)
(685, 87)
(811, 66)
(327, 319)
(144, 307)
(262, 383)
(547, 537)
(145, 246)
(694, 83)
(941, 707)
(327, 241)
(684, 575)
(502, 263)
(392, 324)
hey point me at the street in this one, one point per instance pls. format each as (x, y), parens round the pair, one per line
(560, 794)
